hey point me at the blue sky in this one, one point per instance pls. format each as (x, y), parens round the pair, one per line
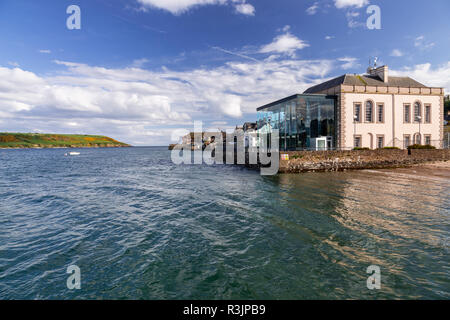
(143, 70)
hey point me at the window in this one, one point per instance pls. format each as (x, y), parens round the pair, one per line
(427, 139)
(407, 113)
(428, 114)
(380, 114)
(357, 112)
(357, 142)
(380, 142)
(406, 141)
(417, 112)
(369, 111)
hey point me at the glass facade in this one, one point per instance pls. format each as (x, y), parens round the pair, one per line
(300, 119)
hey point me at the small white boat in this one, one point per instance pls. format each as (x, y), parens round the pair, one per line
(72, 154)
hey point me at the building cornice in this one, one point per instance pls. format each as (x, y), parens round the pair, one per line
(342, 89)
(392, 90)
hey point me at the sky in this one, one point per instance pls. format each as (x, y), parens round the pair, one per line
(142, 71)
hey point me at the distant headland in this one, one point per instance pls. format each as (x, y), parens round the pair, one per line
(38, 140)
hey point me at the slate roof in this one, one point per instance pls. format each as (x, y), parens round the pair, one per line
(365, 80)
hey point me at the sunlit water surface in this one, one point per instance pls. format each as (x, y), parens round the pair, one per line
(140, 227)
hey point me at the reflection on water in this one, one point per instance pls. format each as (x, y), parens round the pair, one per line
(140, 227)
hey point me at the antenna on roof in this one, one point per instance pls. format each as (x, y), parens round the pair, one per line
(372, 67)
(369, 68)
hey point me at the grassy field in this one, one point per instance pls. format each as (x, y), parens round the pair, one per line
(34, 140)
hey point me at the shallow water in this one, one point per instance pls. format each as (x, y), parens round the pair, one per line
(140, 227)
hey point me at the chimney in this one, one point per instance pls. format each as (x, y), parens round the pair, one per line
(381, 72)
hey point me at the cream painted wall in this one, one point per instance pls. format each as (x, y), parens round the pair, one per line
(365, 129)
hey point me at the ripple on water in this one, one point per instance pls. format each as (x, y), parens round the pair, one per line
(140, 227)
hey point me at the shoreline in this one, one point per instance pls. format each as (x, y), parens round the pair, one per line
(432, 165)
(326, 161)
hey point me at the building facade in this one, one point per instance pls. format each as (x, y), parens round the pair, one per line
(369, 111)
(301, 120)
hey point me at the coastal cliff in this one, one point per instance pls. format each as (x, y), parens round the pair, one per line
(35, 140)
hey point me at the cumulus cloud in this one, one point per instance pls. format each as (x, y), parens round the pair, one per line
(348, 62)
(350, 3)
(144, 107)
(426, 74)
(178, 7)
(313, 9)
(286, 43)
(245, 8)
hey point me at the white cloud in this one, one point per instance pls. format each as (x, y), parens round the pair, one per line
(421, 43)
(286, 43)
(352, 20)
(329, 37)
(352, 14)
(348, 62)
(350, 3)
(178, 7)
(427, 75)
(418, 41)
(219, 123)
(14, 64)
(313, 9)
(246, 9)
(46, 51)
(285, 28)
(141, 106)
(139, 63)
(396, 53)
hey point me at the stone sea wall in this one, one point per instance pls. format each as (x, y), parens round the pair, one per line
(316, 161)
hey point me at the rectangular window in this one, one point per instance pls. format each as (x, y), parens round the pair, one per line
(428, 114)
(380, 113)
(407, 113)
(417, 112)
(357, 142)
(428, 139)
(407, 141)
(357, 112)
(380, 142)
(369, 111)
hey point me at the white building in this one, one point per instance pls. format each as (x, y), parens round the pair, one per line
(376, 110)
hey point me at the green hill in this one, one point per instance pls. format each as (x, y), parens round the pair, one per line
(35, 140)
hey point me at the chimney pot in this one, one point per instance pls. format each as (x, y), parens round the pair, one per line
(381, 72)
